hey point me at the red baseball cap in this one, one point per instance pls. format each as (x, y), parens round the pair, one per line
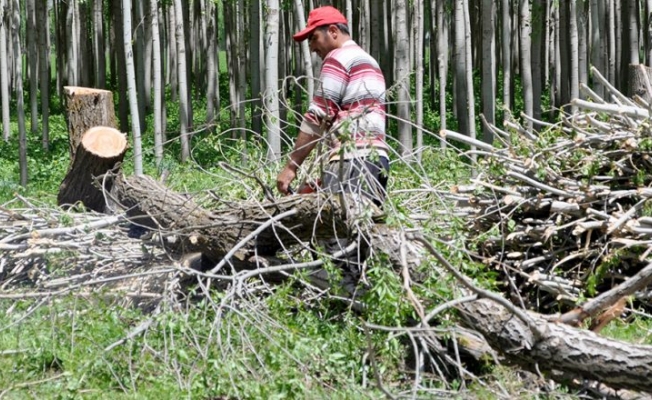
(319, 17)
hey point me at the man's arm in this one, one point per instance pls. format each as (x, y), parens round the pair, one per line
(302, 148)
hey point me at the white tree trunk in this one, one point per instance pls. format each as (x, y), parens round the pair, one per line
(131, 87)
(574, 52)
(256, 49)
(299, 20)
(506, 52)
(418, 58)
(183, 83)
(4, 71)
(469, 74)
(43, 29)
(157, 82)
(525, 52)
(20, 104)
(272, 119)
(33, 64)
(459, 59)
(98, 45)
(402, 75)
(488, 67)
(597, 41)
(613, 49)
(71, 46)
(442, 63)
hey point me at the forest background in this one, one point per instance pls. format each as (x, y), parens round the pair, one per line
(200, 82)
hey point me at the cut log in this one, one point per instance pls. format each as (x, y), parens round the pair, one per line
(561, 348)
(87, 108)
(101, 149)
(215, 233)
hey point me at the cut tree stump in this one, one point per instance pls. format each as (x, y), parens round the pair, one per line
(100, 150)
(87, 108)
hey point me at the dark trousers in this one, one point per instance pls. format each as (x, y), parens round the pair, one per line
(364, 179)
(358, 176)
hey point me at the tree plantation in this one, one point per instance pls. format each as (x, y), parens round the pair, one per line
(144, 253)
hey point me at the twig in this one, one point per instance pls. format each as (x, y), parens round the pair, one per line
(250, 236)
(520, 314)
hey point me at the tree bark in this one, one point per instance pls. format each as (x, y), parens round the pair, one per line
(559, 348)
(100, 150)
(182, 76)
(488, 67)
(640, 81)
(42, 27)
(131, 88)
(402, 74)
(215, 233)
(20, 103)
(87, 108)
(271, 100)
(4, 72)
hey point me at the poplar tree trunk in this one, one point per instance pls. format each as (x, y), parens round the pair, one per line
(255, 22)
(20, 104)
(43, 32)
(459, 58)
(402, 73)
(574, 51)
(506, 53)
(271, 80)
(131, 87)
(71, 44)
(183, 86)
(123, 104)
(599, 36)
(32, 48)
(640, 81)
(470, 97)
(630, 45)
(306, 59)
(648, 32)
(442, 63)
(157, 82)
(488, 67)
(4, 71)
(612, 49)
(418, 58)
(98, 45)
(539, 22)
(213, 94)
(525, 53)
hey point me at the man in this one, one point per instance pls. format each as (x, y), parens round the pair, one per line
(348, 110)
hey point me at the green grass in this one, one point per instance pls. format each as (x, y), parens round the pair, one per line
(60, 348)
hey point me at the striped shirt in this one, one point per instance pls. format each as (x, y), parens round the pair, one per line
(349, 102)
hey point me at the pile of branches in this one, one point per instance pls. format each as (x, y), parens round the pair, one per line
(565, 214)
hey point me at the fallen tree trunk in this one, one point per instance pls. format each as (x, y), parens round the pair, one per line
(215, 232)
(101, 149)
(561, 348)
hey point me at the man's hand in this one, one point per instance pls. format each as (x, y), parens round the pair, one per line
(285, 178)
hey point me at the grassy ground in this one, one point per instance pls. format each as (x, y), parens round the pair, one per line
(276, 343)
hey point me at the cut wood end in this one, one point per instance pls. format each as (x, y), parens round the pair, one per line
(104, 141)
(73, 90)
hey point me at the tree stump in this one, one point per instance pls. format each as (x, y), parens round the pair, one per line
(87, 107)
(101, 148)
(640, 82)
